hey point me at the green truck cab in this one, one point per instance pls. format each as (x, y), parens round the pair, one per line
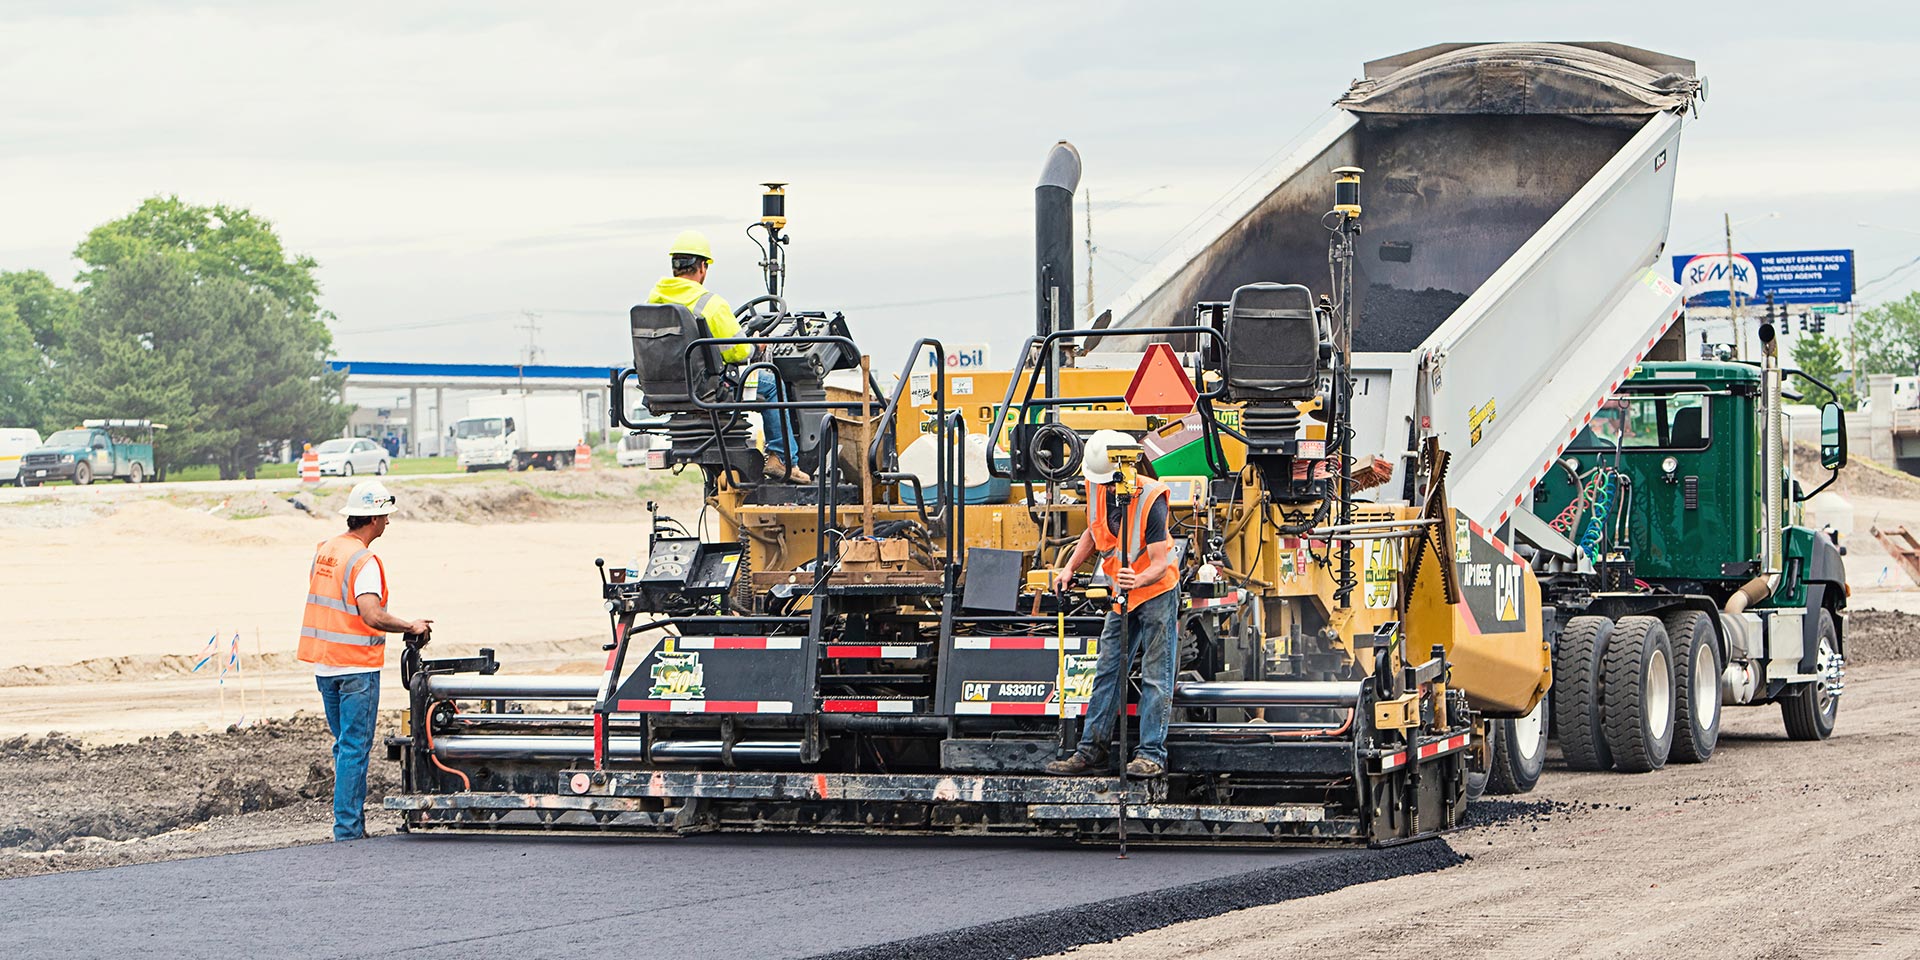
(97, 449)
(1672, 536)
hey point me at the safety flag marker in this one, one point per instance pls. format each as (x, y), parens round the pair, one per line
(1160, 386)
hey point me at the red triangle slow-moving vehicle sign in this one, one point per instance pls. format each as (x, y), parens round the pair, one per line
(1160, 386)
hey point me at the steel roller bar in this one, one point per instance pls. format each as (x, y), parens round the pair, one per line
(1268, 693)
(475, 687)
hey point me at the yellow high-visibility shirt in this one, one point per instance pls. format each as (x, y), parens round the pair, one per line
(719, 314)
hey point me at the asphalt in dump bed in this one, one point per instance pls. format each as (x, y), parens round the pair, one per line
(484, 897)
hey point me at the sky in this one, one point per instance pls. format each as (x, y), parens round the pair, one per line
(476, 176)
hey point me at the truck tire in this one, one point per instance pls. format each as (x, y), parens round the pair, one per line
(135, 474)
(82, 473)
(1696, 686)
(1810, 709)
(1637, 695)
(1519, 751)
(1576, 692)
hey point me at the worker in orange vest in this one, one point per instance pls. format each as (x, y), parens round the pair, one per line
(1149, 581)
(344, 636)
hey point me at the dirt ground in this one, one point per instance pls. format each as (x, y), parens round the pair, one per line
(502, 561)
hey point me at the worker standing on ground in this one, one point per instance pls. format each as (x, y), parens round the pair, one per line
(691, 255)
(1146, 630)
(343, 634)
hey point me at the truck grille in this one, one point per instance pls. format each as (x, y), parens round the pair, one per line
(40, 458)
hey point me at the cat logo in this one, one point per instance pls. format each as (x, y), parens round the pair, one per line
(975, 690)
(678, 676)
(1477, 418)
(1507, 587)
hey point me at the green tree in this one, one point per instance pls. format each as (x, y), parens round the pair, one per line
(1822, 359)
(216, 241)
(35, 316)
(197, 317)
(1887, 338)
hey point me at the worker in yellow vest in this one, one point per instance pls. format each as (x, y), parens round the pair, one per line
(344, 636)
(690, 256)
(1148, 580)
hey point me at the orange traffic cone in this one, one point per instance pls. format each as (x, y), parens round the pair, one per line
(582, 456)
(309, 468)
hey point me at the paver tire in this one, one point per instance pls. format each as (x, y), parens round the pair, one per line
(1576, 692)
(1519, 751)
(1637, 695)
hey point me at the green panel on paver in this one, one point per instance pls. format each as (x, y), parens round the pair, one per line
(1703, 415)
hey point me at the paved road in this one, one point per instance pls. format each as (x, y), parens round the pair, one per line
(483, 897)
(121, 490)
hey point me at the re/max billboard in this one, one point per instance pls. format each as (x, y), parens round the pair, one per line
(1790, 276)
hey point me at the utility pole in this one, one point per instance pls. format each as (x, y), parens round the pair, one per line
(1733, 297)
(532, 327)
(1089, 323)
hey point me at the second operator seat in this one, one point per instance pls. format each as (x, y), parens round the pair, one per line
(671, 378)
(1274, 349)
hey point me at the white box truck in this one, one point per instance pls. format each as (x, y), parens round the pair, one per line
(516, 431)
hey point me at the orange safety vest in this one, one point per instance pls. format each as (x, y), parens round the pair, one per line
(332, 632)
(1108, 543)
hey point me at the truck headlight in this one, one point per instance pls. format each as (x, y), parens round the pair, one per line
(66, 458)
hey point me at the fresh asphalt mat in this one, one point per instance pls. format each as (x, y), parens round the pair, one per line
(722, 897)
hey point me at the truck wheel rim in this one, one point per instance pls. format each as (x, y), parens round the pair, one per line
(1831, 669)
(1526, 731)
(1659, 691)
(1706, 689)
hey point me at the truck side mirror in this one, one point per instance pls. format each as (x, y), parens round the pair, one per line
(449, 433)
(509, 424)
(1833, 436)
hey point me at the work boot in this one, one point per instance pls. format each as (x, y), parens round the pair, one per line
(1140, 768)
(778, 469)
(1078, 765)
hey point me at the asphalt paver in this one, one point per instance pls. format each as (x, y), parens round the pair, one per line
(413, 896)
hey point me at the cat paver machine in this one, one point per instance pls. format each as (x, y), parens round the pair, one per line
(881, 650)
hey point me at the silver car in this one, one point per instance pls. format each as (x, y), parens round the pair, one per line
(347, 456)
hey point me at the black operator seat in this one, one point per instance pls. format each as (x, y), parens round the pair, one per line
(1273, 343)
(662, 332)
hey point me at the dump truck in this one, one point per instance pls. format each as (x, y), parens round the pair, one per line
(1360, 633)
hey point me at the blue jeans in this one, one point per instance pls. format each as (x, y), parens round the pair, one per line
(1149, 635)
(353, 701)
(767, 387)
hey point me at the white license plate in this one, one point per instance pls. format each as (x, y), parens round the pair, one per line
(39, 473)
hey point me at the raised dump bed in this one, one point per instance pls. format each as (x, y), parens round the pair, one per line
(1515, 197)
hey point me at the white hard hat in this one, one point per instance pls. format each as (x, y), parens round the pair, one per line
(1095, 465)
(369, 498)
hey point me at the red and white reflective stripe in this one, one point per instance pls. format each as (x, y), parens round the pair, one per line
(1015, 643)
(874, 651)
(704, 706)
(866, 706)
(1203, 603)
(739, 643)
(1497, 544)
(1017, 709)
(1428, 751)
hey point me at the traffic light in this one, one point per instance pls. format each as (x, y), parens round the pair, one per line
(1819, 323)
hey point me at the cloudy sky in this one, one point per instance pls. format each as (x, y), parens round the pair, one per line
(457, 166)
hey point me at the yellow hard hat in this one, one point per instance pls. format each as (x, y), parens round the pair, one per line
(691, 243)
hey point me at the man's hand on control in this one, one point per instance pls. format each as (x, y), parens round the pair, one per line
(1126, 579)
